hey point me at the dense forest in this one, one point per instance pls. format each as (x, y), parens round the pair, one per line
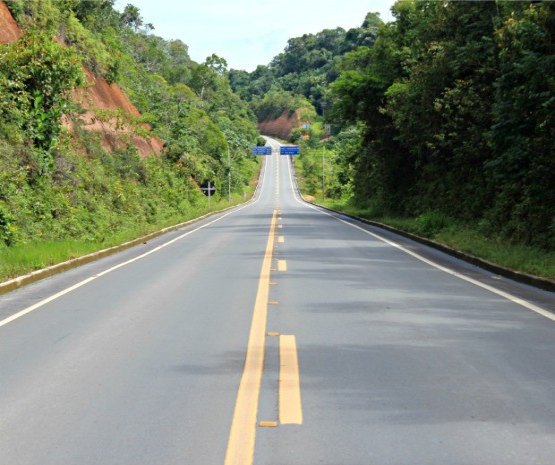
(299, 77)
(59, 181)
(455, 103)
(445, 114)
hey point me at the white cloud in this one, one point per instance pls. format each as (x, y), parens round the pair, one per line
(248, 32)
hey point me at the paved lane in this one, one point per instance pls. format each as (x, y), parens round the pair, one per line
(371, 355)
(401, 363)
(141, 365)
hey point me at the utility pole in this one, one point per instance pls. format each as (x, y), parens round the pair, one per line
(228, 175)
(323, 176)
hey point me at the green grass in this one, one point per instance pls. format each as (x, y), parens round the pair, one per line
(517, 257)
(24, 258)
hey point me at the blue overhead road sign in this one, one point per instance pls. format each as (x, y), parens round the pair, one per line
(265, 150)
(289, 150)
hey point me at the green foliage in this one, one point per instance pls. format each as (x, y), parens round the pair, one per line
(307, 65)
(431, 223)
(57, 185)
(325, 166)
(89, 198)
(295, 135)
(466, 238)
(457, 104)
(6, 226)
(447, 118)
(38, 76)
(523, 133)
(75, 23)
(277, 101)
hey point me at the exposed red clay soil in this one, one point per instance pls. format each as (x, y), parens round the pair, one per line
(9, 30)
(98, 95)
(103, 95)
(282, 126)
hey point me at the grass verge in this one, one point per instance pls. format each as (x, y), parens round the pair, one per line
(24, 258)
(464, 238)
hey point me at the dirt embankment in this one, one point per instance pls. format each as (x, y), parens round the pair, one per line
(9, 30)
(282, 126)
(98, 97)
(109, 112)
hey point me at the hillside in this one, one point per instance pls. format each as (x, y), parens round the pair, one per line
(289, 92)
(442, 123)
(283, 125)
(97, 94)
(9, 30)
(307, 65)
(106, 130)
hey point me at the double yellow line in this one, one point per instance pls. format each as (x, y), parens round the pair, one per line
(240, 448)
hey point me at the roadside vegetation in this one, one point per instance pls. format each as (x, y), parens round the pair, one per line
(37, 254)
(463, 237)
(442, 124)
(334, 190)
(62, 191)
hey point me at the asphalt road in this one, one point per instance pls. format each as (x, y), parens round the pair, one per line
(277, 334)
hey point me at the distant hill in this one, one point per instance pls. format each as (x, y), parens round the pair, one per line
(307, 65)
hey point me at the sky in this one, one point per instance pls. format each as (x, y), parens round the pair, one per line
(248, 33)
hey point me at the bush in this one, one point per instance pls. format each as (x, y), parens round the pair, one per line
(295, 135)
(431, 223)
(6, 227)
(41, 73)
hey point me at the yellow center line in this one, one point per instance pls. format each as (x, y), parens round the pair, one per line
(240, 446)
(290, 406)
(281, 239)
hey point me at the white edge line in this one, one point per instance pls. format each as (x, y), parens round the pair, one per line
(506, 295)
(47, 300)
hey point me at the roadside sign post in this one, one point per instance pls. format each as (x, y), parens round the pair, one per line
(289, 150)
(323, 171)
(208, 190)
(261, 150)
(228, 175)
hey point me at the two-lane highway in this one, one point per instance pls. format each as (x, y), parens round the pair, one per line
(277, 334)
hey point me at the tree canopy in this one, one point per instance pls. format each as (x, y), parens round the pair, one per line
(307, 65)
(457, 101)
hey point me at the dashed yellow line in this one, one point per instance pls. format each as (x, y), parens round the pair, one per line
(281, 239)
(290, 406)
(282, 265)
